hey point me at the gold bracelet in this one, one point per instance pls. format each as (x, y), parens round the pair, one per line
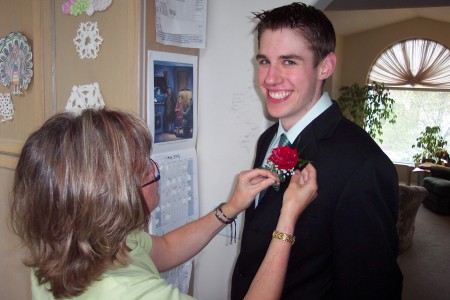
(284, 237)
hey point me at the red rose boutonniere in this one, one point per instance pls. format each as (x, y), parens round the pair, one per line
(283, 161)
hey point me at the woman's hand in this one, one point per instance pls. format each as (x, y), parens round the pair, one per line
(166, 251)
(268, 282)
(249, 184)
(302, 190)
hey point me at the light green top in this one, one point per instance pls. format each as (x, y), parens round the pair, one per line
(139, 280)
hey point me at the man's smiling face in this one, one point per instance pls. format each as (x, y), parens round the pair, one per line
(287, 76)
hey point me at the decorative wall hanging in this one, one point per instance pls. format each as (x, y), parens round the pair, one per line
(76, 7)
(98, 5)
(6, 107)
(88, 40)
(85, 96)
(16, 65)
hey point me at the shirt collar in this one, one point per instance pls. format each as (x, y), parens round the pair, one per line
(321, 105)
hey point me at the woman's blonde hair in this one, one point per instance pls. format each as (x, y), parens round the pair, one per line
(185, 95)
(77, 195)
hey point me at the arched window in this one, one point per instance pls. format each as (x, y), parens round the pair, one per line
(417, 73)
(413, 63)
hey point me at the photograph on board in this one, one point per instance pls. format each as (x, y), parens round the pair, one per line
(174, 95)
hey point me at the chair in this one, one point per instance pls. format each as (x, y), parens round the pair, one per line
(410, 199)
(438, 186)
(404, 173)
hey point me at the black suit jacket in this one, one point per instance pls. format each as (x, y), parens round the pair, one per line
(346, 240)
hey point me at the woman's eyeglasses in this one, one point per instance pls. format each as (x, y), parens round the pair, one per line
(156, 174)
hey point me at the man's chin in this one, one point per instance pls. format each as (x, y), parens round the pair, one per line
(275, 112)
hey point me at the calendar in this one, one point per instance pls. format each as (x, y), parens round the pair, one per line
(178, 190)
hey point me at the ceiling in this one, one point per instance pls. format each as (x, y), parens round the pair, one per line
(383, 4)
(353, 16)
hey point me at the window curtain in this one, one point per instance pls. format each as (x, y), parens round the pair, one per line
(413, 63)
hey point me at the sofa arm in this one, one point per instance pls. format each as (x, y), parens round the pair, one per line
(440, 172)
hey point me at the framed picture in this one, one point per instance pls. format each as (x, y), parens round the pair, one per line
(172, 100)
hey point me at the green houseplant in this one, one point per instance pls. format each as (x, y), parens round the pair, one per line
(369, 106)
(431, 142)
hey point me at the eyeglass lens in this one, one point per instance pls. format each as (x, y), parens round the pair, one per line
(156, 174)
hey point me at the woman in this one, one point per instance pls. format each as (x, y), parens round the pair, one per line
(84, 188)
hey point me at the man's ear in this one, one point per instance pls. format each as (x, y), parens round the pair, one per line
(327, 66)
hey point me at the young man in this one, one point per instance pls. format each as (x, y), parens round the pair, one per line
(346, 240)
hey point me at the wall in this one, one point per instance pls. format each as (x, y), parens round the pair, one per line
(20, 16)
(333, 84)
(14, 279)
(360, 50)
(117, 66)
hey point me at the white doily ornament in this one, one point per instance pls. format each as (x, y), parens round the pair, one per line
(6, 107)
(85, 96)
(88, 40)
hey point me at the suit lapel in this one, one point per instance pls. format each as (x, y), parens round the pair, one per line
(322, 127)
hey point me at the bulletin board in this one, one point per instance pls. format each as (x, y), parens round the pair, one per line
(57, 66)
(29, 104)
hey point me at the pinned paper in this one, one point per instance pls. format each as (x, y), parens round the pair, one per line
(85, 96)
(6, 107)
(88, 40)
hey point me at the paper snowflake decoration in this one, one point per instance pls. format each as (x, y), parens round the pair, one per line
(6, 107)
(88, 40)
(85, 96)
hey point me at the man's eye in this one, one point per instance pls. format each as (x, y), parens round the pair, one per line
(263, 62)
(289, 62)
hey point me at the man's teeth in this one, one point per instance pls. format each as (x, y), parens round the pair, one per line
(279, 95)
